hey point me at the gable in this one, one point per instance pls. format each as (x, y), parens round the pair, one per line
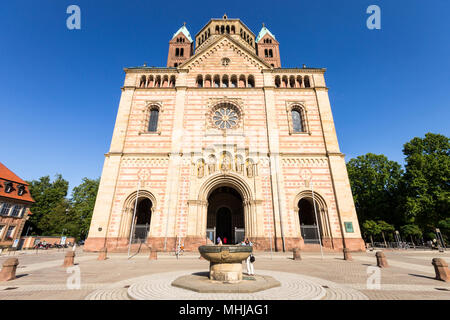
(210, 58)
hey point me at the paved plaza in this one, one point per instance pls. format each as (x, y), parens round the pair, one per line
(410, 276)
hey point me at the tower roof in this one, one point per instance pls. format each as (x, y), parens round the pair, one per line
(185, 31)
(263, 32)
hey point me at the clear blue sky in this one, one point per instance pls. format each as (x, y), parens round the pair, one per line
(60, 88)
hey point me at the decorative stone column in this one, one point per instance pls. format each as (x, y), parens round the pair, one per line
(69, 259)
(381, 259)
(347, 255)
(441, 269)
(9, 269)
(296, 254)
(102, 254)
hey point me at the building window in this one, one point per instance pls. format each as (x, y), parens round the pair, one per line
(297, 121)
(21, 190)
(8, 186)
(1, 232)
(15, 212)
(5, 209)
(10, 232)
(153, 121)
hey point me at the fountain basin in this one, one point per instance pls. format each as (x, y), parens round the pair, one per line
(225, 262)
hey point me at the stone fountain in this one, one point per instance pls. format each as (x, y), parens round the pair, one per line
(225, 262)
(225, 272)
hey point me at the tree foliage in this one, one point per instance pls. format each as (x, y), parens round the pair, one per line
(53, 214)
(415, 200)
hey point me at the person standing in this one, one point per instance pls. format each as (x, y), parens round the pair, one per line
(250, 260)
(219, 241)
(224, 240)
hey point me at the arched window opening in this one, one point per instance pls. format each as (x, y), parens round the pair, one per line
(175, 65)
(158, 81)
(153, 121)
(270, 53)
(284, 83)
(217, 30)
(307, 83)
(177, 52)
(266, 54)
(172, 81)
(297, 120)
(233, 81)
(225, 81)
(251, 82)
(199, 81)
(272, 65)
(242, 82)
(181, 52)
(150, 81)
(299, 82)
(208, 81)
(233, 30)
(292, 81)
(216, 81)
(227, 29)
(222, 29)
(277, 81)
(165, 81)
(142, 82)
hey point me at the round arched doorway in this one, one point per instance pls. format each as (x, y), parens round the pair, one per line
(225, 217)
(142, 219)
(313, 218)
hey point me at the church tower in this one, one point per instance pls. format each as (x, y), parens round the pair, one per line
(180, 47)
(268, 47)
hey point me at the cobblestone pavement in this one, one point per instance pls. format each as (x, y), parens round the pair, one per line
(410, 276)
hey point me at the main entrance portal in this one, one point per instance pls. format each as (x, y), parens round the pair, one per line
(226, 215)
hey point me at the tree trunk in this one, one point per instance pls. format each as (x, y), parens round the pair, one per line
(371, 240)
(385, 244)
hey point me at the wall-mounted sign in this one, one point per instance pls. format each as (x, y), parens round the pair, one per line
(348, 227)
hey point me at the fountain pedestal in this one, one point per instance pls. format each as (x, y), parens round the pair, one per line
(225, 261)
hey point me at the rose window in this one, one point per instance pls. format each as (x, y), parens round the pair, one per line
(225, 117)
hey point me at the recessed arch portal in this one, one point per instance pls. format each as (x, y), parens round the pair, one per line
(146, 204)
(312, 217)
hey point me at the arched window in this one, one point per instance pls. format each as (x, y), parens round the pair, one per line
(296, 121)
(299, 82)
(208, 81)
(177, 52)
(143, 82)
(172, 81)
(251, 81)
(217, 30)
(222, 29)
(228, 29)
(292, 81)
(216, 81)
(277, 81)
(242, 82)
(266, 54)
(306, 82)
(225, 81)
(233, 30)
(199, 81)
(233, 81)
(153, 121)
(270, 53)
(181, 52)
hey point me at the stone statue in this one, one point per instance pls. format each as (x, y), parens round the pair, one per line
(201, 169)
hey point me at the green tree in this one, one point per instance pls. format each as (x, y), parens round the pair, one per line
(411, 230)
(371, 228)
(374, 181)
(427, 181)
(82, 205)
(49, 196)
(385, 227)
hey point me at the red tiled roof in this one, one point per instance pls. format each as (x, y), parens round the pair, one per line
(8, 175)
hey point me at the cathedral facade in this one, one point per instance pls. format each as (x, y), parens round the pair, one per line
(224, 142)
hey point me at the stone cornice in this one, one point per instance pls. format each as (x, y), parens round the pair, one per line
(150, 69)
(297, 70)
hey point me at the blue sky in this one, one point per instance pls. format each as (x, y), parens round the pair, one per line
(60, 88)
